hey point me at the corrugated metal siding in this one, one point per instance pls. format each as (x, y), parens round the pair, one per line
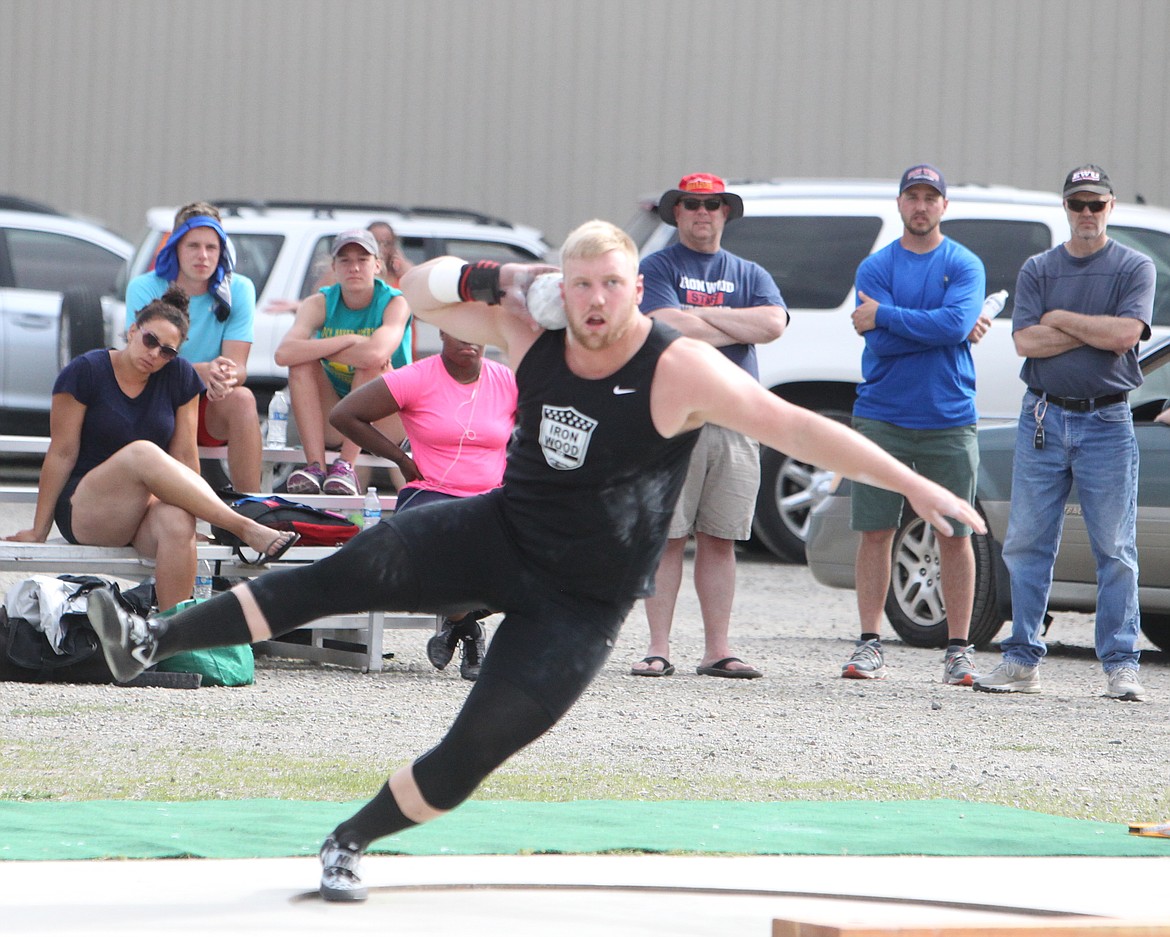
(553, 111)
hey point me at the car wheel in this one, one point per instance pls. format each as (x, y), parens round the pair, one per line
(82, 327)
(1156, 627)
(914, 604)
(789, 490)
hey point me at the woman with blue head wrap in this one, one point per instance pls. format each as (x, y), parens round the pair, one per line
(199, 258)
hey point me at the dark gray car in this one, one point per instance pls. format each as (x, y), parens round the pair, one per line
(914, 603)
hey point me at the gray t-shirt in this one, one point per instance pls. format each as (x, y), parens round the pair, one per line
(1114, 281)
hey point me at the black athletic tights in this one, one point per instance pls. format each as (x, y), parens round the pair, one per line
(542, 657)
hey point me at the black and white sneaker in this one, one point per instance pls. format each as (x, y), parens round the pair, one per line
(128, 640)
(473, 648)
(340, 880)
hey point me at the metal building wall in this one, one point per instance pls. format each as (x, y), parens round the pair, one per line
(553, 111)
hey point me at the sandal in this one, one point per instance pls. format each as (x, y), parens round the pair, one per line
(269, 555)
(666, 671)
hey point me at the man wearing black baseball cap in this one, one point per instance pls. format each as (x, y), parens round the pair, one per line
(1081, 309)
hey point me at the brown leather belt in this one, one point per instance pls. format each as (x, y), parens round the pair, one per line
(1083, 405)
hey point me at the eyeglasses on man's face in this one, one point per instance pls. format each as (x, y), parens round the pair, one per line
(694, 204)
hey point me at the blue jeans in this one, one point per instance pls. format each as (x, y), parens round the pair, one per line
(1097, 450)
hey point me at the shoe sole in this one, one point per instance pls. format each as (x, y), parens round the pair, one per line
(302, 489)
(849, 672)
(334, 487)
(344, 894)
(439, 661)
(1125, 697)
(967, 680)
(1004, 689)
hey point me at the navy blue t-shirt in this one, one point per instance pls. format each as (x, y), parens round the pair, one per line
(111, 418)
(676, 277)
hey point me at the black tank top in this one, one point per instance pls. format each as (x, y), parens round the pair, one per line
(591, 485)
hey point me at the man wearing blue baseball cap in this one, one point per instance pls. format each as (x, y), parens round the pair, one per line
(918, 306)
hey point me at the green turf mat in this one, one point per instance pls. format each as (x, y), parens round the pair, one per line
(267, 828)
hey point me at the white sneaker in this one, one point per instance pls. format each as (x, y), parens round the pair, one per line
(1122, 684)
(1009, 677)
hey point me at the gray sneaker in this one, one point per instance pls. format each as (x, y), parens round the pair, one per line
(340, 880)
(958, 668)
(341, 479)
(1122, 684)
(128, 641)
(306, 480)
(866, 662)
(1009, 677)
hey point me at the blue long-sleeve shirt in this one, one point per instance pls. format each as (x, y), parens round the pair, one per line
(916, 367)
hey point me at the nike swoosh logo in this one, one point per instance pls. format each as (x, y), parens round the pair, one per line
(619, 390)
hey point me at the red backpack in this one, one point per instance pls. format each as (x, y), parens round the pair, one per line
(317, 527)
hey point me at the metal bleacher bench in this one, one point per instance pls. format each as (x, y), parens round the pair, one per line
(349, 640)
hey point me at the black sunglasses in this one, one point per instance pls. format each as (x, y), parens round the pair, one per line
(1076, 206)
(150, 340)
(711, 204)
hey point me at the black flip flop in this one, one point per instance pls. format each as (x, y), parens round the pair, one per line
(719, 669)
(666, 671)
(263, 559)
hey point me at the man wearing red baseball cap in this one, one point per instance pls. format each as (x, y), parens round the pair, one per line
(710, 294)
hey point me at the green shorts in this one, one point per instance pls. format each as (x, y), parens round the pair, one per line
(949, 457)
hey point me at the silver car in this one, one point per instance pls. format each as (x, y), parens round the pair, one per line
(914, 604)
(55, 271)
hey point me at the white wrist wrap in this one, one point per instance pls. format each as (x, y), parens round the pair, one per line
(443, 280)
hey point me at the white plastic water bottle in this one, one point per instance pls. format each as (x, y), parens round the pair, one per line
(203, 580)
(371, 509)
(993, 304)
(277, 437)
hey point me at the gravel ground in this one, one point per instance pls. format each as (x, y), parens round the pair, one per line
(309, 731)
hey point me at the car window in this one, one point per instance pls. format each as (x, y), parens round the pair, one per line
(318, 274)
(1003, 246)
(472, 250)
(812, 259)
(255, 255)
(1156, 246)
(45, 260)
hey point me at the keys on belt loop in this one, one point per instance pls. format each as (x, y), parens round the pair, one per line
(1038, 412)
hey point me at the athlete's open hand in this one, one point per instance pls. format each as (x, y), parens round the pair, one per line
(934, 504)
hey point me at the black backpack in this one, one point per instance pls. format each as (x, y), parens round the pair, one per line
(27, 656)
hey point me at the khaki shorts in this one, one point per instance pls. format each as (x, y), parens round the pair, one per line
(948, 457)
(719, 495)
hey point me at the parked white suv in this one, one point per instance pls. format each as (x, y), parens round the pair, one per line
(811, 235)
(54, 272)
(283, 247)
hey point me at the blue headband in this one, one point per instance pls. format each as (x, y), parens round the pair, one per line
(166, 264)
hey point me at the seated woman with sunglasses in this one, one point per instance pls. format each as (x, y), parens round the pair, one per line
(122, 468)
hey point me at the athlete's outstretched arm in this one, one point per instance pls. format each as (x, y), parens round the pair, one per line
(694, 384)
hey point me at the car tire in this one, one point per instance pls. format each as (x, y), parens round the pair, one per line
(914, 603)
(82, 327)
(1156, 627)
(789, 490)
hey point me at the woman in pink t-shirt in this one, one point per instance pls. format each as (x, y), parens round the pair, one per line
(458, 410)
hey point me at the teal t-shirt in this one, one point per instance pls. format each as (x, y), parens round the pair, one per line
(341, 320)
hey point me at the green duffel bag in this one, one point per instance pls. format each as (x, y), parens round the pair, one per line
(234, 665)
